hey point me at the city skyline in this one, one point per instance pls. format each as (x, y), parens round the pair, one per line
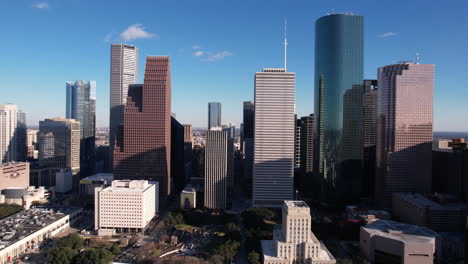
(228, 59)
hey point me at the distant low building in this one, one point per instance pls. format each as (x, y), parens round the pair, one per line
(126, 206)
(295, 242)
(386, 241)
(188, 198)
(23, 196)
(440, 216)
(101, 180)
(368, 216)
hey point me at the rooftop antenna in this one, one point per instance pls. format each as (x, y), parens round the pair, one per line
(285, 43)
(417, 57)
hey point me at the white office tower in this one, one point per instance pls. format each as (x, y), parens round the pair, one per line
(273, 167)
(216, 168)
(123, 71)
(126, 206)
(295, 242)
(8, 124)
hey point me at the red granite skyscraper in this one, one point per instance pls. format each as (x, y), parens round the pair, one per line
(404, 130)
(143, 149)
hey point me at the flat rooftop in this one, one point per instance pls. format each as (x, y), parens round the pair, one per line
(13, 163)
(424, 202)
(401, 231)
(296, 204)
(99, 177)
(25, 223)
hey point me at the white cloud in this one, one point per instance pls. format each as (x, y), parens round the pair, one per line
(136, 31)
(218, 56)
(41, 5)
(198, 53)
(388, 34)
(109, 37)
(196, 47)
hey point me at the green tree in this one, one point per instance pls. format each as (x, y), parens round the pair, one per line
(60, 256)
(73, 241)
(232, 231)
(9, 209)
(94, 256)
(253, 257)
(228, 249)
(115, 249)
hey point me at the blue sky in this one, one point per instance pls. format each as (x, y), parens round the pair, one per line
(46, 43)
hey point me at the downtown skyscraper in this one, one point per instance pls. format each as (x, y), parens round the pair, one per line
(143, 149)
(12, 133)
(338, 143)
(274, 129)
(404, 130)
(216, 168)
(81, 106)
(214, 115)
(123, 71)
(59, 144)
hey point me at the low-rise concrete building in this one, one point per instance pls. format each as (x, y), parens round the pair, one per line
(14, 174)
(386, 241)
(125, 206)
(440, 216)
(295, 242)
(23, 232)
(188, 198)
(24, 196)
(101, 180)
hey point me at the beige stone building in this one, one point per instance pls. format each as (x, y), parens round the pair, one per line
(295, 242)
(126, 206)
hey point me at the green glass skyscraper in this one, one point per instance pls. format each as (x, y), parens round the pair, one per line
(338, 142)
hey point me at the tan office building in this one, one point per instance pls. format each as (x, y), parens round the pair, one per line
(126, 206)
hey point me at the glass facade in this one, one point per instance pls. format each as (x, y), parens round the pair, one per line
(81, 106)
(338, 157)
(214, 115)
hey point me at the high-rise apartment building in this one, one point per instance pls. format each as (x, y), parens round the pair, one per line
(370, 128)
(123, 71)
(8, 124)
(59, 143)
(404, 130)
(188, 150)
(81, 106)
(307, 143)
(214, 115)
(370, 112)
(247, 141)
(297, 142)
(338, 144)
(230, 130)
(21, 136)
(273, 167)
(295, 242)
(177, 156)
(216, 168)
(143, 151)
